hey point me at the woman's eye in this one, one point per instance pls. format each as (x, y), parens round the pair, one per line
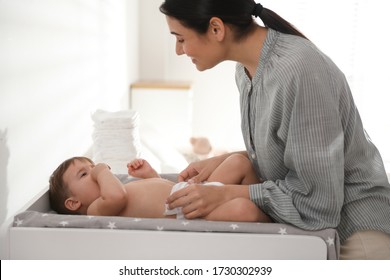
(180, 40)
(83, 174)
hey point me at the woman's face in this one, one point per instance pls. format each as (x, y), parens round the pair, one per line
(204, 50)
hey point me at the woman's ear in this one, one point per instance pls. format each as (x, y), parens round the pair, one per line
(72, 204)
(217, 28)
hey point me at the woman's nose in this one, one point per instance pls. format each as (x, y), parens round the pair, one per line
(179, 49)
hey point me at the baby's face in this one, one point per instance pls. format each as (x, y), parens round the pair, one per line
(80, 182)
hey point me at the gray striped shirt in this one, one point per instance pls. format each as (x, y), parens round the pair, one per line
(305, 138)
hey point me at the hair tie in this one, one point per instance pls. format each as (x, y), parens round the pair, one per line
(257, 10)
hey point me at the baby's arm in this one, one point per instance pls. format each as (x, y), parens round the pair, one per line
(113, 195)
(140, 168)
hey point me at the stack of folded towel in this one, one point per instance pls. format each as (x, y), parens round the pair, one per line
(116, 138)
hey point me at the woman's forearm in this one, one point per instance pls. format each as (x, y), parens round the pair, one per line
(236, 191)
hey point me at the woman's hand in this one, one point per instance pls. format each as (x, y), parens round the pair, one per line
(197, 201)
(200, 171)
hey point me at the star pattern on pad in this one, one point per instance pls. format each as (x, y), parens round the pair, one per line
(234, 226)
(282, 231)
(64, 223)
(330, 241)
(111, 225)
(18, 222)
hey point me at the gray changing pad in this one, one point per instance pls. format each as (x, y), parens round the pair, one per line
(50, 220)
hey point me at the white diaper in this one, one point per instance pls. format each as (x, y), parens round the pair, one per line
(178, 210)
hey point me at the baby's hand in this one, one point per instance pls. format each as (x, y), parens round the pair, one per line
(140, 168)
(135, 164)
(98, 169)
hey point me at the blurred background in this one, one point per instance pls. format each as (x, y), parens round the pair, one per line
(62, 60)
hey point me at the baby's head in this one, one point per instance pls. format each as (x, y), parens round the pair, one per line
(58, 188)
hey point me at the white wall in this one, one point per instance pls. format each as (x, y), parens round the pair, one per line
(59, 62)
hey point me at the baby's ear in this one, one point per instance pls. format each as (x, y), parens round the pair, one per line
(72, 204)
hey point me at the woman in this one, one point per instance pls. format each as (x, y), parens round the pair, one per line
(302, 131)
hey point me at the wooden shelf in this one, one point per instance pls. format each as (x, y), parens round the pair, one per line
(174, 85)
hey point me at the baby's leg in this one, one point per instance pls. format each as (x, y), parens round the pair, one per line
(238, 210)
(236, 169)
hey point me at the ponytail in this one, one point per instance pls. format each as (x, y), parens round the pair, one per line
(274, 21)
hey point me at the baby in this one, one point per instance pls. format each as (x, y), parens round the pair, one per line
(78, 186)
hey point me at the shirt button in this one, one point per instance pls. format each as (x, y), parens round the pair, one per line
(253, 155)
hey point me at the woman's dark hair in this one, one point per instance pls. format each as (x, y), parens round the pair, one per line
(196, 14)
